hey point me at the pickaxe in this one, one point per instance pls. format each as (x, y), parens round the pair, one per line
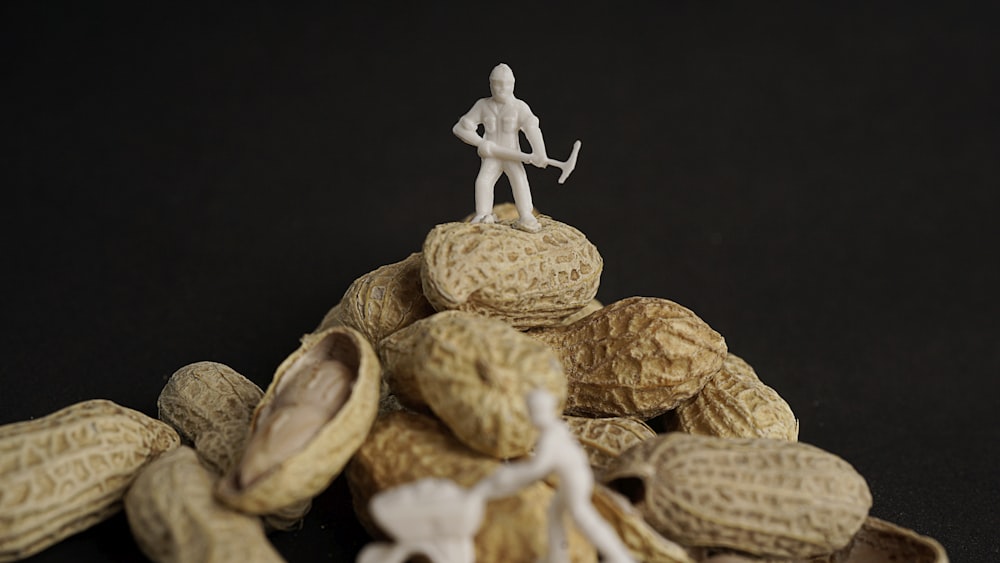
(512, 154)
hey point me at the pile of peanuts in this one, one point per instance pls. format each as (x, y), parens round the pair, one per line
(421, 371)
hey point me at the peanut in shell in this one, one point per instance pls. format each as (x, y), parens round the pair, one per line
(525, 279)
(63, 473)
(382, 301)
(637, 357)
(735, 403)
(473, 372)
(765, 497)
(210, 405)
(604, 439)
(175, 519)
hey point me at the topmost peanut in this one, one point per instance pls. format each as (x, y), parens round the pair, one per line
(526, 279)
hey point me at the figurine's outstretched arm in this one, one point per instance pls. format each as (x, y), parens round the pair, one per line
(508, 479)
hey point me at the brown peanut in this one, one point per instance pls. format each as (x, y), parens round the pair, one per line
(525, 279)
(382, 301)
(735, 403)
(404, 447)
(473, 372)
(174, 517)
(210, 406)
(604, 439)
(62, 473)
(638, 357)
(313, 417)
(765, 497)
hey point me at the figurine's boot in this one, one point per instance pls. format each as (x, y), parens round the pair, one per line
(528, 224)
(488, 218)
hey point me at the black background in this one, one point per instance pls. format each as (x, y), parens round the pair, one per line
(818, 183)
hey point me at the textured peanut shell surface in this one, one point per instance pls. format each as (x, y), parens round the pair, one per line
(765, 497)
(737, 404)
(474, 373)
(382, 301)
(308, 471)
(604, 439)
(210, 406)
(405, 447)
(645, 543)
(637, 357)
(878, 541)
(526, 279)
(174, 517)
(67, 471)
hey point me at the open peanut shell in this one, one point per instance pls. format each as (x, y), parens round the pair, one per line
(315, 414)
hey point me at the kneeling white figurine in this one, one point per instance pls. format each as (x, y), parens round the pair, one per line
(432, 517)
(503, 117)
(557, 451)
(439, 519)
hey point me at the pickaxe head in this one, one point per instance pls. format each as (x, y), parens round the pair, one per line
(570, 164)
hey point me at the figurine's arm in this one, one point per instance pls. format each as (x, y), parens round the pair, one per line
(534, 134)
(508, 479)
(466, 128)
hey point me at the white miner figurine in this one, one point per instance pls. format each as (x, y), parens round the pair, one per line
(503, 117)
(557, 451)
(432, 517)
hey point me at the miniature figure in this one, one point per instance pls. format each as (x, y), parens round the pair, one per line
(557, 451)
(432, 517)
(503, 117)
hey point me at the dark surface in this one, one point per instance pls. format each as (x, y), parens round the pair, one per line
(818, 184)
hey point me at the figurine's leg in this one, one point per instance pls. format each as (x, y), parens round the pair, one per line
(522, 197)
(384, 552)
(600, 533)
(452, 551)
(558, 540)
(489, 173)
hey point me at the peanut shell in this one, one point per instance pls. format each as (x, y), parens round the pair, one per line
(210, 405)
(604, 439)
(737, 404)
(63, 473)
(473, 372)
(645, 543)
(879, 540)
(404, 447)
(526, 279)
(174, 517)
(382, 301)
(637, 357)
(764, 497)
(592, 306)
(328, 441)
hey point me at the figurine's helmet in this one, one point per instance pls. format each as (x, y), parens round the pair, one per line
(502, 72)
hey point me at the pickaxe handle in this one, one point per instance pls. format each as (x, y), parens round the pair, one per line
(567, 167)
